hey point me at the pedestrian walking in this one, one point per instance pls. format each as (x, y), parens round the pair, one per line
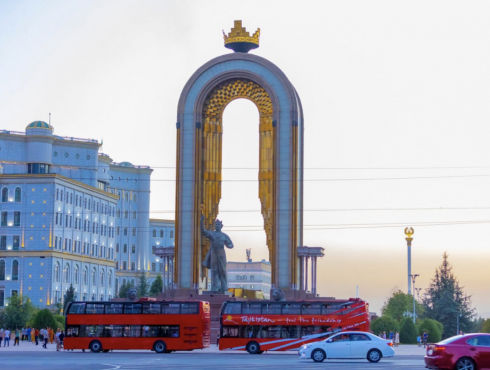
(36, 335)
(419, 341)
(1, 336)
(17, 336)
(28, 334)
(57, 339)
(397, 338)
(392, 336)
(6, 340)
(62, 338)
(384, 335)
(46, 337)
(425, 337)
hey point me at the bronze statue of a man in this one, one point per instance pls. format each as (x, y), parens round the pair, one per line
(216, 256)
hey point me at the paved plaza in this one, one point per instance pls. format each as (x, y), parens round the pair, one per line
(31, 356)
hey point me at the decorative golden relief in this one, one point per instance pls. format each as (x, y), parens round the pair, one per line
(240, 34)
(212, 131)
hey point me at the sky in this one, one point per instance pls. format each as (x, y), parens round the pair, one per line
(396, 105)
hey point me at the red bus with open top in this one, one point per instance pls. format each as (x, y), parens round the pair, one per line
(161, 326)
(258, 326)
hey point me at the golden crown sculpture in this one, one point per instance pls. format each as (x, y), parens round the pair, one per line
(239, 40)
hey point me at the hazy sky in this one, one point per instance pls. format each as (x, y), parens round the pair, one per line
(396, 103)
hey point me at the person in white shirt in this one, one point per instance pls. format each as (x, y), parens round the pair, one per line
(6, 341)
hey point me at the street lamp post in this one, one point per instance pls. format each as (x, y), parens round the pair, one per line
(413, 282)
(409, 232)
(418, 293)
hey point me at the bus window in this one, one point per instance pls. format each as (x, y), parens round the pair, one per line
(132, 331)
(91, 331)
(170, 331)
(171, 308)
(114, 308)
(311, 309)
(271, 308)
(134, 308)
(189, 308)
(251, 308)
(291, 308)
(328, 310)
(306, 331)
(73, 331)
(151, 308)
(151, 331)
(233, 308)
(95, 308)
(77, 308)
(230, 331)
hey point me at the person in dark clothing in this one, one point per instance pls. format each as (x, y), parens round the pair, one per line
(62, 337)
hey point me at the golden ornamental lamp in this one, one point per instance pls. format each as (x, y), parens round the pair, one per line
(409, 232)
(239, 40)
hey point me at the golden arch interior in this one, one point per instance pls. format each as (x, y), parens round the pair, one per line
(209, 189)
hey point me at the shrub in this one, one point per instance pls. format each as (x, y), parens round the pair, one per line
(408, 332)
(44, 318)
(384, 323)
(433, 328)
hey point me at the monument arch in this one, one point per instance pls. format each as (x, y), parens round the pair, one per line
(198, 179)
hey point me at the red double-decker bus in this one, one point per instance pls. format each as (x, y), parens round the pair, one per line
(258, 326)
(160, 326)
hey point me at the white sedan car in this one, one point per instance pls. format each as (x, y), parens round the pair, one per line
(355, 344)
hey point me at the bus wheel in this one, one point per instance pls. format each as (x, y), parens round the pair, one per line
(253, 348)
(95, 346)
(106, 350)
(160, 347)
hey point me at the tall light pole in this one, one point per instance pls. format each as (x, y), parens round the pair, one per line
(413, 281)
(409, 232)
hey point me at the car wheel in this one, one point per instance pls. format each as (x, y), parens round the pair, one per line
(318, 355)
(95, 346)
(465, 363)
(253, 348)
(160, 347)
(374, 355)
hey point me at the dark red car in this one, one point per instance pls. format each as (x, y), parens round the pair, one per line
(462, 352)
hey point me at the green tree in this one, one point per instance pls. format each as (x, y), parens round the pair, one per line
(60, 321)
(398, 304)
(123, 290)
(44, 318)
(431, 327)
(408, 331)
(384, 323)
(17, 311)
(69, 297)
(486, 326)
(445, 300)
(143, 286)
(156, 286)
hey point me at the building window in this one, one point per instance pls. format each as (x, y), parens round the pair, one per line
(153, 266)
(117, 248)
(66, 273)
(110, 279)
(134, 215)
(94, 281)
(125, 248)
(18, 195)
(57, 272)
(133, 248)
(118, 213)
(102, 278)
(16, 244)
(117, 286)
(117, 230)
(161, 233)
(154, 233)
(85, 276)
(15, 270)
(153, 249)
(125, 265)
(3, 243)
(4, 218)
(5, 195)
(171, 234)
(133, 266)
(38, 168)
(2, 270)
(126, 196)
(125, 231)
(17, 218)
(75, 274)
(134, 231)
(126, 214)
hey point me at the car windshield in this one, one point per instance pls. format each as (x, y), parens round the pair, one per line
(450, 340)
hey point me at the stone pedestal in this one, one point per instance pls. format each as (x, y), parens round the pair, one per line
(215, 300)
